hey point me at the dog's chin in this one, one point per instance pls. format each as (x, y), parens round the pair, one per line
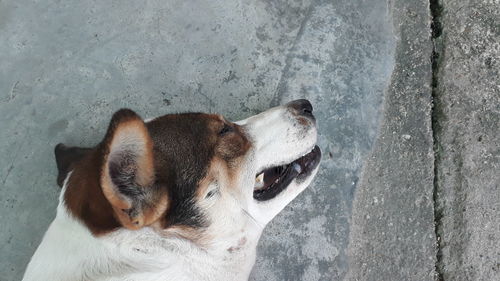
(272, 181)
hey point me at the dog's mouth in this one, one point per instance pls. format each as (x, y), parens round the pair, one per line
(272, 181)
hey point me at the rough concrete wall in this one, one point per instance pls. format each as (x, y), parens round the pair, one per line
(392, 230)
(467, 130)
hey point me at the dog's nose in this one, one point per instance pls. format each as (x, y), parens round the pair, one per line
(301, 107)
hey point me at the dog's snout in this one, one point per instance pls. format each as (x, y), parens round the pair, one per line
(301, 107)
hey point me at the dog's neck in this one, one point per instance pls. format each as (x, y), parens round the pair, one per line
(69, 251)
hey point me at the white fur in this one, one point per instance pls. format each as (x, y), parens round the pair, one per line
(70, 252)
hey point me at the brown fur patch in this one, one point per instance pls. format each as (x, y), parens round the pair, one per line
(84, 197)
(225, 166)
(234, 145)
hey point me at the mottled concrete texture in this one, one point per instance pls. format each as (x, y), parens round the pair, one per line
(66, 66)
(467, 121)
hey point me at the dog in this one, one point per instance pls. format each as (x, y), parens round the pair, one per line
(178, 197)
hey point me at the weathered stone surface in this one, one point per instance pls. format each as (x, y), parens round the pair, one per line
(392, 229)
(467, 121)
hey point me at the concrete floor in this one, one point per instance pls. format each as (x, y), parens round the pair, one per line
(66, 66)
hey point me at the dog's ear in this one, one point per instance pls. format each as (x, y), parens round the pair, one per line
(66, 157)
(127, 175)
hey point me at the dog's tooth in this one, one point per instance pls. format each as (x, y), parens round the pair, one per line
(259, 181)
(260, 178)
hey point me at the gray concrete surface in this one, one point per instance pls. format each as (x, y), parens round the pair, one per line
(392, 229)
(365, 65)
(341, 60)
(467, 121)
(67, 65)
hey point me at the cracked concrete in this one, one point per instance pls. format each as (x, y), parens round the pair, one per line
(392, 230)
(365, 65)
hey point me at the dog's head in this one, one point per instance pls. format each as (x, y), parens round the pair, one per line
(197, 175)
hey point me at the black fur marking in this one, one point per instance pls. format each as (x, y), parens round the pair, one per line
(66, 157)
(183, 149)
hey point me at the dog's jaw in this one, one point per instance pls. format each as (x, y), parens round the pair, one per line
(280, 136)
(265, 211)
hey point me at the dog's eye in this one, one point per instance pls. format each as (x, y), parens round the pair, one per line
(225, 130)
(211, 193)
